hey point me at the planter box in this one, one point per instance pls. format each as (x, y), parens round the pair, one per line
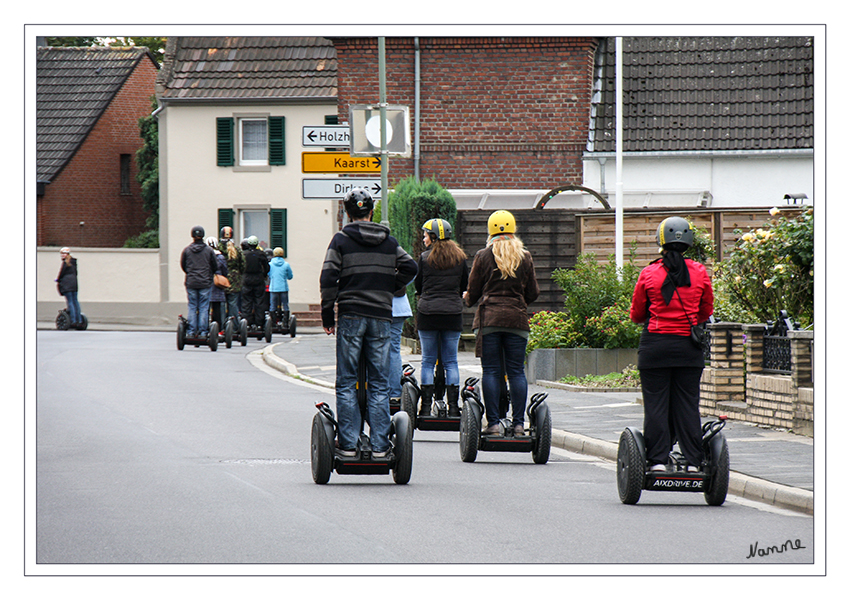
(550, 364)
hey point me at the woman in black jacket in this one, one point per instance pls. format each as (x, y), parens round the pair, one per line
(66, 282)
(440, 283)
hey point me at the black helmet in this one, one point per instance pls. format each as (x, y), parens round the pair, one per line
(197, 232)
(438, 229)
(226, 233)
(674, 230)
(358, 203)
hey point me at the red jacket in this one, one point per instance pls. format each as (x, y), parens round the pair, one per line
(647, 302)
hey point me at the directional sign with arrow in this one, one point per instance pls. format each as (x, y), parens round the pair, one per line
(336, 189)
(338, 162)
(326, 136)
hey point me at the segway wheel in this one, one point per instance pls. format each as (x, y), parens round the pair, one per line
(409, 398)
(181, 334)
(293, 322)
(715, 495)
(402, 439)
(228, 334)
(321, 453)
(630, 469)
(213, 336)
(267, 330)
(243, 332)
(540, 451)
(470, 434)
(63, 320)
(83, 324)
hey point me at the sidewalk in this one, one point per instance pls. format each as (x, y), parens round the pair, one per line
(768, 465)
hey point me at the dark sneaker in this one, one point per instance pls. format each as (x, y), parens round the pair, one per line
(492, 430)
(519, 430)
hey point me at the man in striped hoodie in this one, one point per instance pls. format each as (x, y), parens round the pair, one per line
(364, 266)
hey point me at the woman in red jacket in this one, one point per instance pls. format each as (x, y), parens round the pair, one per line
(671, 294)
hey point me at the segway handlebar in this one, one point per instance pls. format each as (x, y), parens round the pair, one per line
(329, 414)
(712, 428)
(534, 402)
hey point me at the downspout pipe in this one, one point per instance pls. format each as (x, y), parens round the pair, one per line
(416, 84)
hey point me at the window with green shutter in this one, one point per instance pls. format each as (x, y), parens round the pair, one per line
(277, 235)
(224, 141)
(226, 216)
(277, 145)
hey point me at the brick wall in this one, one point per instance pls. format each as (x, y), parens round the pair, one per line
(88, 189)
(495, 112)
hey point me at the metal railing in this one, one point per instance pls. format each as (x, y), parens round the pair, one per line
(777, 345)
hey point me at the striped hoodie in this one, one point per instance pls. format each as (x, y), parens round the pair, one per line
(364, 266)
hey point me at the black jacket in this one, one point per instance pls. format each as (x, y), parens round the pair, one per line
(198, 262)
(66, 281)
(440, 290)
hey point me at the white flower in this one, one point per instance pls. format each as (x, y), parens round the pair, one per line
(774, 211)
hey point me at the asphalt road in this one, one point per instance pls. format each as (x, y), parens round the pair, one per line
(150, 456)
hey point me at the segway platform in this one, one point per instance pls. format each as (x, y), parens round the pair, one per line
(265, 332)
(183, 338)
(63, 321)
(283, 325)
(438, 419)
(711, 478)
(538, 439)
(234, 331)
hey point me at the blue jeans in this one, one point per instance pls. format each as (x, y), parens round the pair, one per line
(447, 343)
(513, 347)
(279, 299)
(395, 356)
(199, 311)
(232, 305)
(372, 336)
(73, 307)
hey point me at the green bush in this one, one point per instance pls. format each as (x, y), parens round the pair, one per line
(146, 239)
(768, 270)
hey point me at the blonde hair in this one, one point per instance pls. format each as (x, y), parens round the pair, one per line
(231, 250)
(509, 252)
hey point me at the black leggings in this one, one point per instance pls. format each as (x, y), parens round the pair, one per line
(671, 412)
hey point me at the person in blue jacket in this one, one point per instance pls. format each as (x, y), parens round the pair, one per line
(279, 275)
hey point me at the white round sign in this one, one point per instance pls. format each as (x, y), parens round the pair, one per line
(373, 131)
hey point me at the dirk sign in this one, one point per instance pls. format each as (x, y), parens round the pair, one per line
(335, 189)
(338, 162)
(326, 136)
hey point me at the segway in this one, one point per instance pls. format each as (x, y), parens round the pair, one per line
(538, 439)
(439, 419)
(325, 458)
(283, 322)
(711, 478)
(63, 321)
(410, 393)
(235, 330)
(211, 339)
(265, 332)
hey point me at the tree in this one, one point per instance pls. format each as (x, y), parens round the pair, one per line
(147, 159)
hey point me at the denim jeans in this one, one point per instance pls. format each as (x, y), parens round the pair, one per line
(232, 305)
(73, 307)
(199, 311)
(513, 347)
(279, 299)
(372, 336)
(395, 356)
(447, 343)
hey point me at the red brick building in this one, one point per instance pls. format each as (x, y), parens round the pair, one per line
(495, 113)
(88, 103)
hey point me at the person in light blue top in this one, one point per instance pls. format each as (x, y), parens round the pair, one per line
(401, 311)
(279, 275)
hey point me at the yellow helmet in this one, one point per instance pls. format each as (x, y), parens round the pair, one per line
(501, 221)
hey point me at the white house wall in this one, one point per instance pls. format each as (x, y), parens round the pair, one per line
(732, 181)
(193, 188)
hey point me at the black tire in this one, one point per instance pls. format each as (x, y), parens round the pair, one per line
(321, 453)
(267, 330)
(631, 469)
(228, 334)
(293, 323)
(409, 400)
(181, 334)
(402, 439)
(213, 342)
(243, 332)
(63, 320)
(540, 451)
(83, 324)
(715, 495)
(470, 434)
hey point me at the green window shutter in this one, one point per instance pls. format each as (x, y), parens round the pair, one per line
(331, 119)
(277, 147)
(225, 217)
(277, 235)
(224, 141)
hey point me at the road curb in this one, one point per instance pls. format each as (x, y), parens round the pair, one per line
(745, 486)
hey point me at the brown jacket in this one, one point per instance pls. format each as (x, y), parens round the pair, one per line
(503, 302)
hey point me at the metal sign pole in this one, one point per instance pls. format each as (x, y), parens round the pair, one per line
(382, 84)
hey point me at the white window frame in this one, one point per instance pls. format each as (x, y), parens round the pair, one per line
(241, 119)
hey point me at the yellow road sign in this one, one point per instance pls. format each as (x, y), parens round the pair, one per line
(338, 162)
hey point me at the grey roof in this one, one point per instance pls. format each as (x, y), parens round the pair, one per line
(248, 68)
(73, 88)
(706, 94)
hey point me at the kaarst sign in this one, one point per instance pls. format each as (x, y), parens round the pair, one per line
(336, 189)
(338, 162)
